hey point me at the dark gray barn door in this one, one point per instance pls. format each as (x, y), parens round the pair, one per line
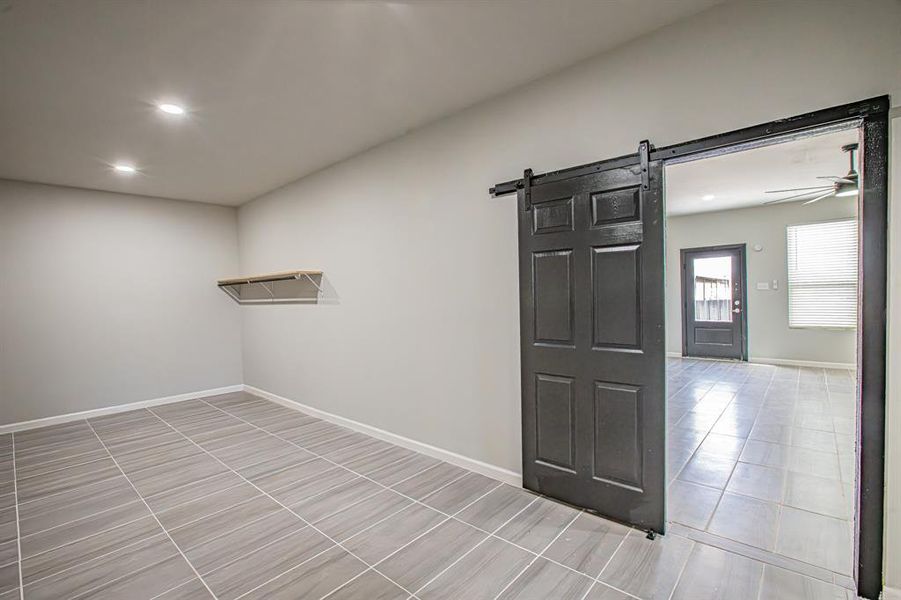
(592, 306)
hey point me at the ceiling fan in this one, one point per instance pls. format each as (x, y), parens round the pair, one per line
(839, 187)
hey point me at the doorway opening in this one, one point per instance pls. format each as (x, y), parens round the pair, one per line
(762, 343)
(613, 408)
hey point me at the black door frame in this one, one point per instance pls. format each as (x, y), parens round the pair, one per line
(743, 268)
(871, 116)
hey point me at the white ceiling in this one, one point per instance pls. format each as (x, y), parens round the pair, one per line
(276, 89)
(740, 180)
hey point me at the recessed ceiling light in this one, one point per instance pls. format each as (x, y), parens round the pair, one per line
(708, 197)
(171, 109)
(125, 169)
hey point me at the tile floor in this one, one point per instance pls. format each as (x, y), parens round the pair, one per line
(235, 497)
(764, 456)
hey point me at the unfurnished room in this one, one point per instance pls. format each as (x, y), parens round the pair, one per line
(450, 299)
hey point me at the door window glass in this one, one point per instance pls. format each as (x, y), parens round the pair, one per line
(713, 289)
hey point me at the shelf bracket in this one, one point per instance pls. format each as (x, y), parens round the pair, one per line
(268, 289)
(316, 285)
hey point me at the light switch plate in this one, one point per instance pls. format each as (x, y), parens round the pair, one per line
(763, 285)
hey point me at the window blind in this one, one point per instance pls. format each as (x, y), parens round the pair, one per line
(822, 274)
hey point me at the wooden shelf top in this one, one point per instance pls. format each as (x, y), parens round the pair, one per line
(280, 276)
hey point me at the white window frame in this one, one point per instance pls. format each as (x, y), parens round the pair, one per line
(793, 276)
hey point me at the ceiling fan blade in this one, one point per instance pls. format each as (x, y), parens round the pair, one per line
(798, 196)
(818, 198)
(834, 178)
(813, 187)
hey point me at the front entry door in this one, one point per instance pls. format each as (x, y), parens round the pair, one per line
(713, 306)
(592, 316)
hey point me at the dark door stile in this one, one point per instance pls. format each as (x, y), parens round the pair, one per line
(593, 357)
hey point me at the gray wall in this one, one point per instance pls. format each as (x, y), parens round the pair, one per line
(424, 342)
(109, 298)
(769, 336)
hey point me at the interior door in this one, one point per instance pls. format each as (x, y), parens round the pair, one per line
(592, 331)
(713, 306)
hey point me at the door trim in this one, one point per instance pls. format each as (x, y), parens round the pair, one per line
(743, 266)
(871, 116)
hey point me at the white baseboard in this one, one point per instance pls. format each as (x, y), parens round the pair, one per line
(801, 363)
(110, 410)
(891, 593)
(483, 468)
(788, 362)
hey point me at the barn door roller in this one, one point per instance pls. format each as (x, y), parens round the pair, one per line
(527, 189)
(644, 157)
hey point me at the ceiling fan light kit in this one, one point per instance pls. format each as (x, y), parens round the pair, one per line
(841, 187)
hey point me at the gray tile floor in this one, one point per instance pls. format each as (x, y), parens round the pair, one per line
(235, 497)
(764, 456)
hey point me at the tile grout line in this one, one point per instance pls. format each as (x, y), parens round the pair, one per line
(372, 568)
(385, 488)
(517, 513)
(760, 579)
(769, 556)
(18, 526)
(221, 534)
(76, 540)
(430, 529)
(351, 470)
(325, 458)
(102, 556)
(419, 502)
(369, 567)
(172, 589)
(454, 517)
(57, 470)
(797, 383)
(451, 565)
(265, 545)
(45, 496)
(708, 431)
(274, 500)
(381, 491)
(414, 500)
(781, 505)
(313, 476)
(35, 455)
(351, 580)
(538, 555)
(489, 535)
(126, 522)
(69, 482)
(151, 511)
(282, 469)
(391, 488)
(737, 460)
(276, 436)
(694, 544)
(597, 578)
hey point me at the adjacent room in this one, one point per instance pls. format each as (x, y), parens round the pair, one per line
(762, 317)
(422, 300)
